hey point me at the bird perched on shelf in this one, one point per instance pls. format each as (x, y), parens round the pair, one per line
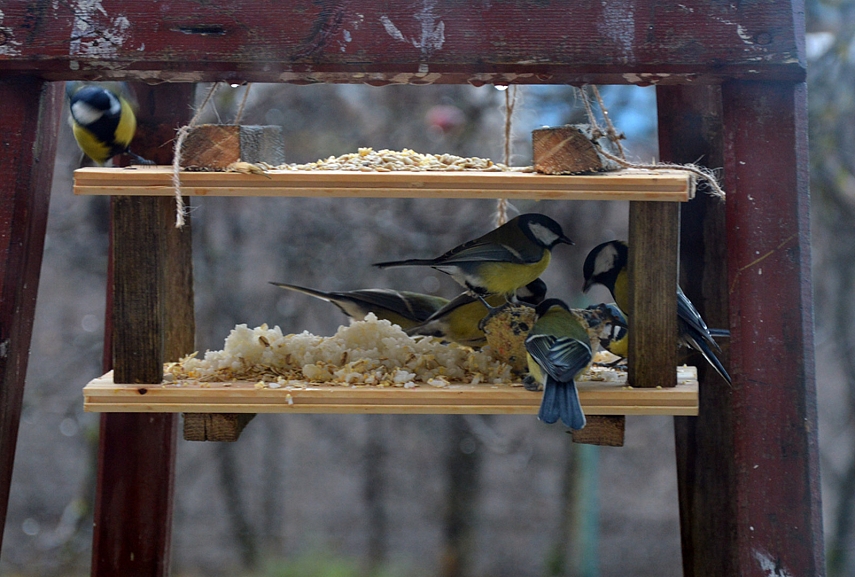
(405, 309)
(459, 320)
(502, 260)
(102, 120)
(606, 264)
(558, 349)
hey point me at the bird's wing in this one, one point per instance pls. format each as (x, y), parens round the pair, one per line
(561, 358)
(480, 251)
(689, 315)
(416, 307)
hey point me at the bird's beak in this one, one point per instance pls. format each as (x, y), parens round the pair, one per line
(586, 286)
(566, 240)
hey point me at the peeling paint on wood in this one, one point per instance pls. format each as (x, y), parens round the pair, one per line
(423, 41)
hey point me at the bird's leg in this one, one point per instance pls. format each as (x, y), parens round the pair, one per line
(531, 384)
(492, 311)
(139, 159)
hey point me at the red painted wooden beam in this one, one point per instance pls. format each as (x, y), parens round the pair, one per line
(29, 120)
(417, 42)
(772, 406)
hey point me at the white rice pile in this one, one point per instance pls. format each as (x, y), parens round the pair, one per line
(369, 352)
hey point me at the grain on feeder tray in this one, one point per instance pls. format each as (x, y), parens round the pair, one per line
(370, 160)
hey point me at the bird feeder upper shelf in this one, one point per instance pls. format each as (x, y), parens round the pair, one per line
(626, 184)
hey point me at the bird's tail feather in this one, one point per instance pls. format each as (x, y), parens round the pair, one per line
(408, 262)
(561, 401)
(304, 290)
(701, 346)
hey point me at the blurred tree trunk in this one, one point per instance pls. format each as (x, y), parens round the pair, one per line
(562, 558)
(241, 528)
(375, 491)
(831, 77)
(463, 469)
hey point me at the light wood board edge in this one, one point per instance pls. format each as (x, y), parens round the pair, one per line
(102, 395)
(629, 184)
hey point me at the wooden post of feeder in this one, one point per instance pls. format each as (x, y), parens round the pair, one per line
(216, 147)
(569, 150)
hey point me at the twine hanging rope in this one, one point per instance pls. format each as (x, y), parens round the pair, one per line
(615, 137)
(180, 208)
(510, 104)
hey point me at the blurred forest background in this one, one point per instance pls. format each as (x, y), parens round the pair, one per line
(455, 496)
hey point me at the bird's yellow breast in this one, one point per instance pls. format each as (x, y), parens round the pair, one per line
(503, 278)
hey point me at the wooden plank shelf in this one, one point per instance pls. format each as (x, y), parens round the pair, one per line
(610, 397)
(627, 184)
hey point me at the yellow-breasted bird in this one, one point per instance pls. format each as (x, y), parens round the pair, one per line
(502, 260)
(558, 350)
(606, 264)
(405, 309)
(103, 121)
(459, 320)
(613, 333)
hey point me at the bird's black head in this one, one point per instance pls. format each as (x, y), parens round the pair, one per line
(603, 264)
(542, 230)
(533, 293)
(544, 307)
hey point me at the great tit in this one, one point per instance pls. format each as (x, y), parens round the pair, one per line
(558, 350)
(460, 320)
(405, 309)
(102, 120)
(502, 260)
(606, 264)
(613, 334)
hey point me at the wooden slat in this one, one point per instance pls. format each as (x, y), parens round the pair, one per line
(630, 184)
(642, 42)
(597, 397)
(654, 235)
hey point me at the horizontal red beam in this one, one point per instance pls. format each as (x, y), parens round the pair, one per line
(416, 42)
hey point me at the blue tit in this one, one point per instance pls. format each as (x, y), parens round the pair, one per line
(606, 264)
(460, 320)
(558, 350)
(405, 309)
(102, 120)
(502, 260)
(613, 334)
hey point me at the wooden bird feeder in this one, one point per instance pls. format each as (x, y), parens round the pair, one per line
(730, 88)
(654, 390)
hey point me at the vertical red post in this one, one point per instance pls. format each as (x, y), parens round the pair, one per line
(29, 123)
(775, 471)
(136, 469)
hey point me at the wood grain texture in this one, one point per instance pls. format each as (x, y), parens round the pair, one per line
(654, 235)
(136, 459)
(776, 459)
(218, 427)
(690, 129)
(29, 122)
(597, 397)
(602, 430)
(566, 150)
(449, 41)
(216, 146)
(628, 184)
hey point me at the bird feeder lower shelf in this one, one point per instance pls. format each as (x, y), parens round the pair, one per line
(610, 397)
